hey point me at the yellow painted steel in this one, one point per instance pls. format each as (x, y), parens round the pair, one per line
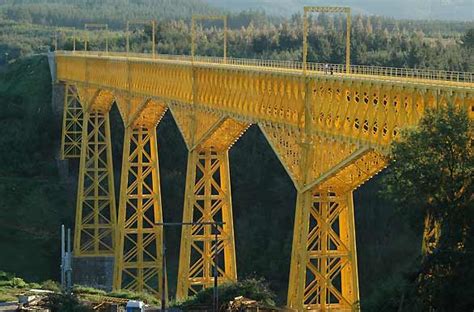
(94, 233)
(139, 251)
(324, 264)
(207, 199)
(364, 110)
(71, 136)
(331, 132)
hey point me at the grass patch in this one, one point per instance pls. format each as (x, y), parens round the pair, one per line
(145, 297)
(7, 297)
(84, 290)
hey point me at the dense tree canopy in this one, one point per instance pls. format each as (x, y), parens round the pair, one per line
(431, 176)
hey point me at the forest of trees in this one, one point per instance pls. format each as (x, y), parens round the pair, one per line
(35, 199)
(375, 40)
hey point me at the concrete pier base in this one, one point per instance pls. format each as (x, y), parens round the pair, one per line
(94, 272)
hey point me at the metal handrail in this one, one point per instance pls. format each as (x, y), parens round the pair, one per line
(414, 73)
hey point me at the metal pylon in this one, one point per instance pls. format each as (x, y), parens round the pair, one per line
(138, 257)
(207, 199)
(71, 135)
(323, 273)
(95, 212)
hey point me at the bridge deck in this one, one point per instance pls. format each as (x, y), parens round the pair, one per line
(391, 74)
(274, 93)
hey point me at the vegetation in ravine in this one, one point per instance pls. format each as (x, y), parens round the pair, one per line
(431, 177)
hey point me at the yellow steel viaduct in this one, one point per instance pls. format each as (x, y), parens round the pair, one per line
(331, 132)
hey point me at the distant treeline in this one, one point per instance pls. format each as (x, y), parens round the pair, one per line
(375, 41)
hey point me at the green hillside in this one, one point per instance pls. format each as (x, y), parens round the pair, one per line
(75, 13)
(33, 201)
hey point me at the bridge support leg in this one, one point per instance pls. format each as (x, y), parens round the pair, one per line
(323, 273)
(71, 135)
(139, 258)
(207, 199)
(95, 212)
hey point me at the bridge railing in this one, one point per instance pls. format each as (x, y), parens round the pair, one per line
(413, 73)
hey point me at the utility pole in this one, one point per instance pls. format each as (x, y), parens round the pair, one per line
(66, 257)
(214, 225)
(163, 279)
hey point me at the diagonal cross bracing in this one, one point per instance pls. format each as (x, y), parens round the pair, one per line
(95, 212)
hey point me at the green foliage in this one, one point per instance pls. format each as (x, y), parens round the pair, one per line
(252, 288)
(80, 289)
(432, 166)
(4, 276)
(431, 175)
(34, 201)
(114, 12)
(18, 282)
(34, 285)
(468, 39)
(51, 285)
(5, 297)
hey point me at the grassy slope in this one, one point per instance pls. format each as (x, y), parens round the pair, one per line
(32, 201)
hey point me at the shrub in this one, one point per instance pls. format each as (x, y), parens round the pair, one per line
(51, 285)
(252, 288)
(4, 276)
(80, 289)
(18, 282)
(5, 283)
(34, 285)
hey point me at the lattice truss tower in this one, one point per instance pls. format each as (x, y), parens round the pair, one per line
(331, 133)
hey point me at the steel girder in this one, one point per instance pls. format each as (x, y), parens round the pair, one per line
(362, 109)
